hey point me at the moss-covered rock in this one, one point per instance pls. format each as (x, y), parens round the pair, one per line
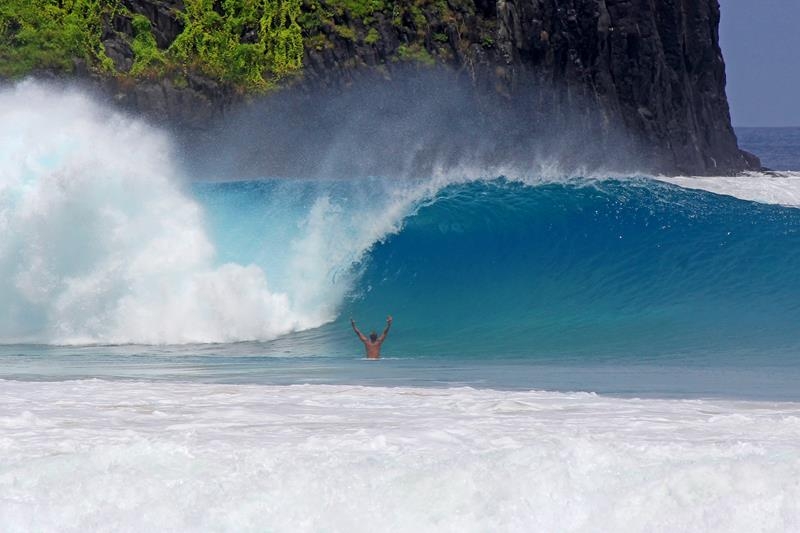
(52, 35)
(249, 44)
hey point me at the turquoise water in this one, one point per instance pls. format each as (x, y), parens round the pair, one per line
(629, 287)
(115, 263)
(755, 376)
(612, 269)
(631, 268)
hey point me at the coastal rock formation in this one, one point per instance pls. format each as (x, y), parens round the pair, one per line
(655, 69)
(656, 66)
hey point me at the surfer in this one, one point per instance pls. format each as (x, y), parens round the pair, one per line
(373, 343)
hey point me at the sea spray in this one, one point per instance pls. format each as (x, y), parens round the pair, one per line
(102, 244)
(104, 240)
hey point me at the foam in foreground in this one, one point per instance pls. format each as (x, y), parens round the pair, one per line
(96, 455)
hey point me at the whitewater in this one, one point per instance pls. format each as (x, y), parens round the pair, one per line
(571, 353)
(183, 457)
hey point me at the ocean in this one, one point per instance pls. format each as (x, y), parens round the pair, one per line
(568, 353)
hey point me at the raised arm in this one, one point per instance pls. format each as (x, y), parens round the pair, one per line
(386, 331)
(360, 335)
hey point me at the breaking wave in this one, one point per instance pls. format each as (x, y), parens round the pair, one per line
(104, 240)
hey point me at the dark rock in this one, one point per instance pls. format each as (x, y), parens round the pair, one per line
(654, 69)
(163, 15)
(120, 52)
(655, 66)
(191, 105)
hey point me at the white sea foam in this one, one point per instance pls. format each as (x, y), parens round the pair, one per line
(100, 243)
(780, 188)
(105, 456)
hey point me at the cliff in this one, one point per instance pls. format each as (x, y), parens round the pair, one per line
(653, 69)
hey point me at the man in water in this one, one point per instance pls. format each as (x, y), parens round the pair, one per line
(373, 343)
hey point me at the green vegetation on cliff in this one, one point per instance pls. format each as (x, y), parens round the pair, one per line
(244, 42)
(249, 44)
(147, 56)
(48, 34)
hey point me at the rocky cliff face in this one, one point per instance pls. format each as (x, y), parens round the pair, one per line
(653, 67)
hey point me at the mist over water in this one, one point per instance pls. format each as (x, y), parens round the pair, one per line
(417, 125)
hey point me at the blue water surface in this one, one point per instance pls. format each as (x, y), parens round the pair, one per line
(627, 287)
(778, 148)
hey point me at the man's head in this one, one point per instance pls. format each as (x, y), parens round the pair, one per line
(373, 336)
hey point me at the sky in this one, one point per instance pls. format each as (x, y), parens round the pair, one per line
(760, 41)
